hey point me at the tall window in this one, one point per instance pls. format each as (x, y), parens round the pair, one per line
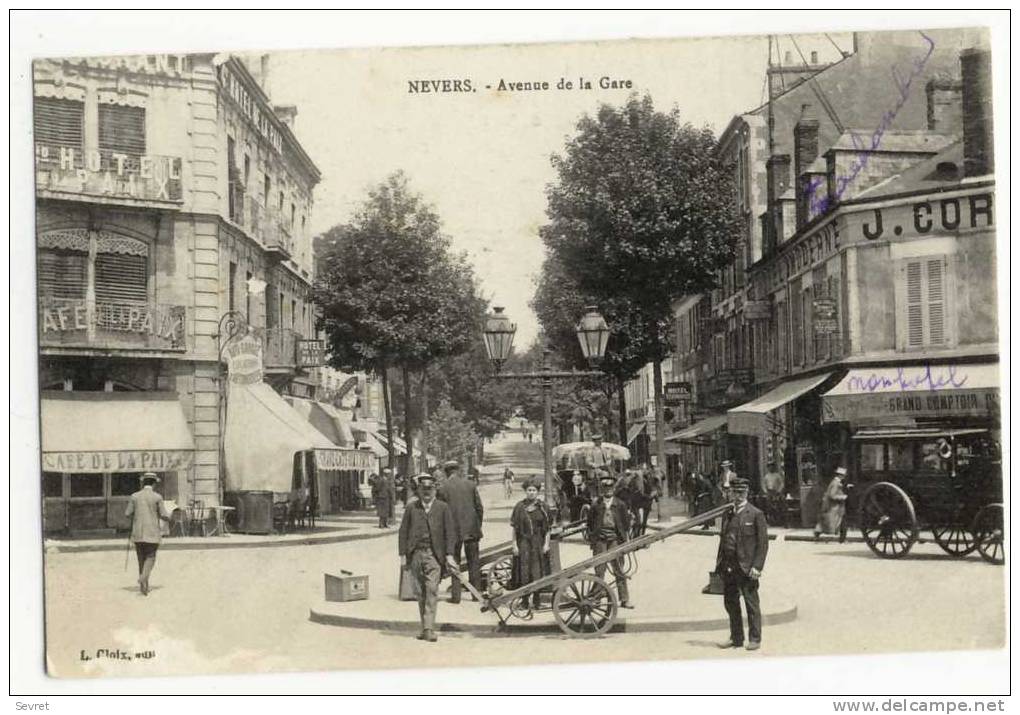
(923, 293)
(267, 186)
(59, 123)
(118, 271)
(247, 297)
(797, 323)
(783, 336)
(122, 129)
(808, 327)
(293, 313)
(231, 285)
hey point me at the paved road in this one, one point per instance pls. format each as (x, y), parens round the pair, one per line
(247, 609)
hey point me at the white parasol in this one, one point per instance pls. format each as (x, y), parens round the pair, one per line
(589, 453)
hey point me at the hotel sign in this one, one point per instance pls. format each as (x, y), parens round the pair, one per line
(146, 177)
(251, 108)
(155, 460)
(311, 353)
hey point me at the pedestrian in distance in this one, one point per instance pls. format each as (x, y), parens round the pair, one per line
(461, 495)
(508, 482)
(773, 485)
(530, 523)
(426, 541)
(743, 545)
(609, 526)
(704, 495)
(383, 496)
(833, 511)
(146, 512)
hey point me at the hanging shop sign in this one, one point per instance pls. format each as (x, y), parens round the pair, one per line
(155, 460)
(676, 393)
(311, 353)
(757, 310)
(824, 316)
(244, 360)
(339, 459)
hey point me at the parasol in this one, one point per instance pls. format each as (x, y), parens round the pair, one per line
(588, 453)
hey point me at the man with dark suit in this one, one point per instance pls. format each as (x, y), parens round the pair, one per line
(146, 510)
(743, 544)
(609, 526)
(462, 497)
(426, 542)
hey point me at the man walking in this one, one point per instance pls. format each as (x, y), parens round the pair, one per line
(426, 542)
(609, 526)
(774, 486)
(382, 495)
(146, 510)
(466, 506)
(743, 544)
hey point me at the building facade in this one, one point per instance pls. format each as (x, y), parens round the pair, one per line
(169, 193)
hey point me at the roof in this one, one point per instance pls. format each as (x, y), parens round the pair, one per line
(931, 173)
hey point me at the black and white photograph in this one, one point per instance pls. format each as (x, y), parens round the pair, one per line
(512, 355)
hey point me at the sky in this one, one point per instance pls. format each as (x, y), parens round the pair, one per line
(482, 158)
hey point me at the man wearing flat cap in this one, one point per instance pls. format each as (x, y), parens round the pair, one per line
(145, 511)
(466, 506)
(743, 545)
(609, 526)
(426, 542)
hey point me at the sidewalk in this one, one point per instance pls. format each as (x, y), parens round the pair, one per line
(331, 529)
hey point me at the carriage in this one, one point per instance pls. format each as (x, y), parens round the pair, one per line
(948, 481)
(576, 466)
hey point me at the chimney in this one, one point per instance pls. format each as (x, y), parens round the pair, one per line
(945, 110)
(978, 150)
(814, 57)
(805, 151)
(788, 58)
(778, 176)
(287, 114)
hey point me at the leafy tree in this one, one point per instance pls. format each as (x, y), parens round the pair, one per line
(392, 294)
(450, 434)
(640, 215)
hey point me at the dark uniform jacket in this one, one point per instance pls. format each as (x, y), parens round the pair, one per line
(620, 514)
(752, 538)
(462, 496)
(437, 525)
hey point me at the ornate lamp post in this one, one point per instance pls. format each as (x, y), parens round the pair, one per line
(592, 333)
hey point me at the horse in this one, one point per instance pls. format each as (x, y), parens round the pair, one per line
(638, 491)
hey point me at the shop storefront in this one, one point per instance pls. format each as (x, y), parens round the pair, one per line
(96, 446)
(700, 444)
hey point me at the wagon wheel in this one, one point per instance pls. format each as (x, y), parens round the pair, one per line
(585, 607)
(955, 539)
(988, 527)
(888, 522)
(500, 574)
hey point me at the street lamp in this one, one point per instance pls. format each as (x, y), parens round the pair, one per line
(593, 334)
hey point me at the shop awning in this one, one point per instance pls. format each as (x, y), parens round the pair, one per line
(751, 418)
(343, 423)
(941, 391)
(698, 429)
(634, 430)
(319, 416)
(365, 436)
(97, 432)
(263, 433)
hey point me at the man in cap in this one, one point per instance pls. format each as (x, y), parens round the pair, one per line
(382, 496)
(609, 526)
(743, 544)
(466, 506)
(146, 510)
(426, 542)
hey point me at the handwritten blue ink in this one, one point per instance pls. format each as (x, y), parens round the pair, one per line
(907, 383)
(820, 205)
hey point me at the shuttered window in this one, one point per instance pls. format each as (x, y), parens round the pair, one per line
(797, 323)
(121, 278)
(923, 313)
(122, 129)
(62, 274)
(59, 122)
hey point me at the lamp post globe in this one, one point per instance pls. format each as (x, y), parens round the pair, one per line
(593, 334)
(499, 337)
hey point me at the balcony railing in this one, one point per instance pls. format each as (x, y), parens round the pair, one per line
(108, 174)
(266, 227)
(73, 322)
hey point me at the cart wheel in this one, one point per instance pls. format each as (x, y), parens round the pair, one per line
(500, 574)
(888, 522)
(585, 607)
(956, 539)
(988, 527)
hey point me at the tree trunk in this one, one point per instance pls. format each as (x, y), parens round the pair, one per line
(408, 432)
(425, 415)
(622, 409)
(389, 417)
(660, 422)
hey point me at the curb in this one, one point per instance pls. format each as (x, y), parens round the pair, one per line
(786, 614)
(213, 543)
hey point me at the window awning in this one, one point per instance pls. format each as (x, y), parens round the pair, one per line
(698, 429)
(634, 430)
(751, 418)
(914, 391)
(98, 432)
(262, 435)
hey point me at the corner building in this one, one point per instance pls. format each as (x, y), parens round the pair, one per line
(169, 193)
